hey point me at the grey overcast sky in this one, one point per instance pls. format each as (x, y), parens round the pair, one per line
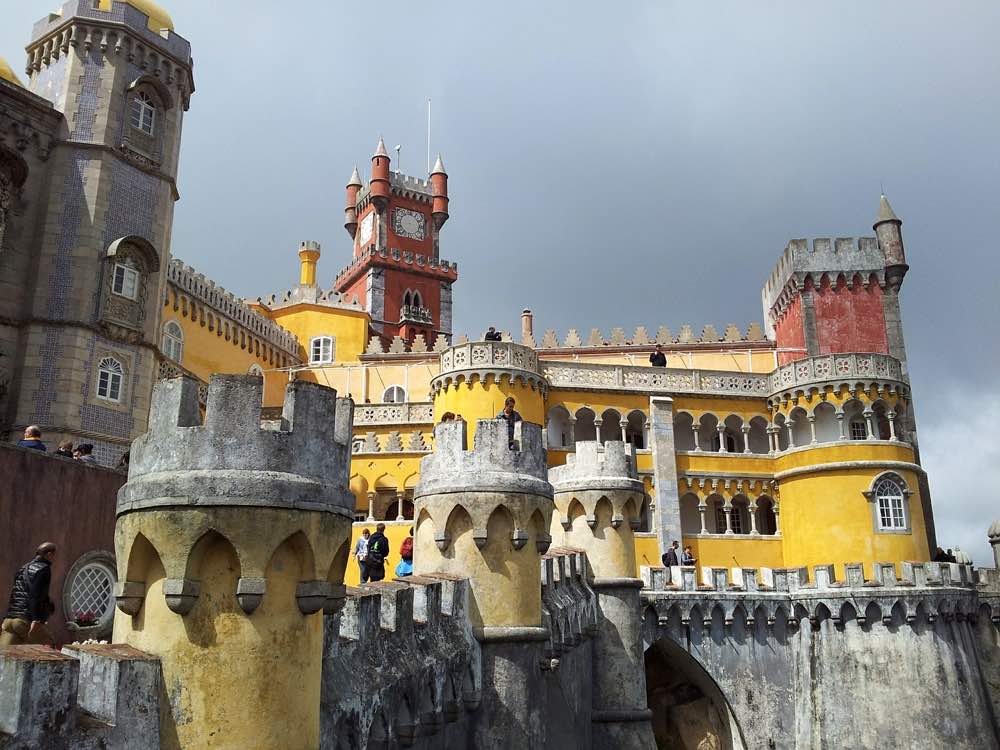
(617, 164)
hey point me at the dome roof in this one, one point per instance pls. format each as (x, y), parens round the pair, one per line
(7, 73)
(158, 18)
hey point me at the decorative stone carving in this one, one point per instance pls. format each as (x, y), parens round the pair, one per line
(549, 340)
(664, 336)
(572, 339)
(640, 337)
(394, 443)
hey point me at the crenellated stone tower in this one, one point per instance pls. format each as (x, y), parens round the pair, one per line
(231, 542)
(599, 499)
(485, 514)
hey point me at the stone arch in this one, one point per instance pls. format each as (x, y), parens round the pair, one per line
(735, 439)
(827, 427)
(757, 437)
(684, 431)
(690, 515)
(780, 424)
(672, 672)
(603, 514)
(335, 573)
(208, 544)
(708, 433)
(610, 425)
(767, 522)
(557, 427)
(586, 429)
(301, 549)
(801, 434)
(635, 429)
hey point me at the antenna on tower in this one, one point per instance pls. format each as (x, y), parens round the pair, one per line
(399, 166)
(428, 135)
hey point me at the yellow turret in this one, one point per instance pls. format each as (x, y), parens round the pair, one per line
(159, 19)
(7, 73)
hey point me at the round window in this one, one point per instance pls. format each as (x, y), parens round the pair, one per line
(88, 594)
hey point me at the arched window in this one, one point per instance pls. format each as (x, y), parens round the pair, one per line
(142, 113)
(126, 281)
(173, 341)
(88, 593)
(321, 350)
(109, 379)
(394, 394)
(407, 300)
(256, 369)
(859, 430)
(417, 300)
(890, 500)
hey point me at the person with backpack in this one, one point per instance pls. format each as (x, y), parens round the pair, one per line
(670, 556)
(378, 551)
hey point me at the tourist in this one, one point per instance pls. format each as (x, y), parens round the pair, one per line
(510, 416)
(448, 417)
(32, 438)
(84, 453)
(950, 557)
(688, 558)
(670, 556)
(65, 449)
(378, 551)
(658, 358)
(361, 554)
(940, 555)
(405, 567)
(493, 334)
(30, 605)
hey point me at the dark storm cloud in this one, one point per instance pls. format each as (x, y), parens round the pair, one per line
(616, 164)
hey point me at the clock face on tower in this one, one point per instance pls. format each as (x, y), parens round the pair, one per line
(367, 224)
(409, 224)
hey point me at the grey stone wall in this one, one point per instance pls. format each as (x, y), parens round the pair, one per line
(862, 664)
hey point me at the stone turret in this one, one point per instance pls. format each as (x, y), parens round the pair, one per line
(994, 534)
(230, 541)
(599, 499)
(485, 514)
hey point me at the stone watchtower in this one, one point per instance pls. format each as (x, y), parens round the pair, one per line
(231, 540)
(485, 514)
(85, 268)
(599, 499)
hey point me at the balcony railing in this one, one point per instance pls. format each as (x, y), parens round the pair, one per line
(406, 413)
(827, 368)
(653, 379)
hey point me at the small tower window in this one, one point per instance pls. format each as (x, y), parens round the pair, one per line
(891, 507)
(321, 350)
(126, 281)
(142, 113)
(173, 341)
(407, 300)
(417, 300)
(394, 394)
(109, 379)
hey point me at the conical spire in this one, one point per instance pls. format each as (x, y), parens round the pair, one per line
(438, 166)
(380, 149)
(885, 212)
(355, 178)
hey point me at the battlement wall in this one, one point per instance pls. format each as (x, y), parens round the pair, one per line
(846, 255)
(230, 460)
(86, 697)
(598, 466)
(491, 466)
(834, 664)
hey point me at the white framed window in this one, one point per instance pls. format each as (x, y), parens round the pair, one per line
(142, 113)
(109, 379)
(88, 594)
(394, 394)
(890, 499)
(126, 281)
(173, 341)
(859, 430)
(321, 350)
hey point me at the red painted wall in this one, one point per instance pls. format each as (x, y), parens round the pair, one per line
(45, 498)
(850, 320)
(790, 334)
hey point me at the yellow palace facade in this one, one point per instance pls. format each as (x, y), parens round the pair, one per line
(784, 445)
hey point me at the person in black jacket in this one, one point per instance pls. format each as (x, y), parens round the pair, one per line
(493, 334)
(378, 551)
(658, 358)
(670, 556)
(29, 605)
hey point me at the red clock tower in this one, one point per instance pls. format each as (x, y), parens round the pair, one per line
(396, 273)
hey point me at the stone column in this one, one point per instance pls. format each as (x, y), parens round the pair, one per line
(400, 499)
(753, 516)
(789, 424)
(480, 512)
(891, 416)
(721, 429)
(666, 499)
(597, 428)
(745, 429)
(994, 535)
(868, 423)
(812, 429)
(840, 423)
(608, 487)
(623, 423)
(371, 506)
(727, 507)
(694, 431)
(702, 507)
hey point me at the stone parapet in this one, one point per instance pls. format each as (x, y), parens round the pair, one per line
(427, 679)
(406, 413)
(597, 466)
(491, 466)
(569, 604)
(204, 290)
(468, 361)
(230, 461)
(868, 369)
(598, 377)
(87, 697)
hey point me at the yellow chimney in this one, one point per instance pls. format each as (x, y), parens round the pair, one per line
(308, 257)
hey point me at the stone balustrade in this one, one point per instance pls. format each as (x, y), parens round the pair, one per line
(833, 368)
(407, 413)
(584, 376)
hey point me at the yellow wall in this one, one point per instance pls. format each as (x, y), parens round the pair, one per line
(349, 327)
(485, 399)
(395, 532)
